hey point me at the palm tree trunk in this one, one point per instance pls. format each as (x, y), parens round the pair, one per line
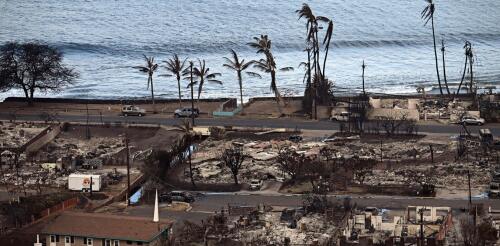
(240, 81)
(309, 80)
(471, 76)
(444, 69)
(324, 61)
(276, 92)
(152, 94)
(179, 88)
(435, 56)
(463, 77)
(192, 93)
(317, 55)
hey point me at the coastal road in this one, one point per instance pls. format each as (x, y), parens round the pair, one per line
(242, 122)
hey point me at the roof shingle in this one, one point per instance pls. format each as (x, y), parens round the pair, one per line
(105, 226)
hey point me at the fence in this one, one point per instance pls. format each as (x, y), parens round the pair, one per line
(70, 203)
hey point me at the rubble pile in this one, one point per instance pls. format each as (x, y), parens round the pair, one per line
(32, 176)
(312, 229)
(13, 135)
(449, 175)
(437, 109)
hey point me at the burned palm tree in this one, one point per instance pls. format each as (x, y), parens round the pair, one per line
(268, 65)
(428, 15)
(239, 66)
(202, 73)
(175, 67)
(318, 80)
(149, 68)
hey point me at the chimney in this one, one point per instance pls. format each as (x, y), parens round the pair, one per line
(156, 216)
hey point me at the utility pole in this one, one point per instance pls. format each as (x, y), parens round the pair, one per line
(470, 195)
(87, 129)
(91, 181)
(363, 76)
(128, 169)
(192, 92)
(422, 226)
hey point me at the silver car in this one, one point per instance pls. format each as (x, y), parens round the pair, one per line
(129, 110)
(186, 112)
(471, 120)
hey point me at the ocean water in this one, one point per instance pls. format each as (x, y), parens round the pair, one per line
(103, 40)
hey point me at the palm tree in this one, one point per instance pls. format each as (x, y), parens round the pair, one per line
(175, 67)
(263, 46)
(312, 28)
(189, 75)
(328, 38)
(203, 74)
(239, 66)
(444, 68)
(428, 15)
(187, 140)
(468, 52)
(150, 68)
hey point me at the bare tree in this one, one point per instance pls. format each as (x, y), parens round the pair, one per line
(362, 168)
(33, 67)
(291, 162)
(233, 159)
(482, 234)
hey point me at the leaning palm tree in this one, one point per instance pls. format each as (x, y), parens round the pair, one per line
(328, 38)
(239, 66)
(175, 67)
(428, 15)
(203, 74)
(149, 68)
(268, 65)
(468, 53)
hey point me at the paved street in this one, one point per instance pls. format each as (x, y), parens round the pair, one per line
(239, 122)
(211, 202)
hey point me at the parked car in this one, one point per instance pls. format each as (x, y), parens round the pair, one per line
(342, 116)
(471, 120)
(133, 110)
(485, 136)
(255, 184)
(295, 138)
(186, 112)
(177, 196)
(494, 190)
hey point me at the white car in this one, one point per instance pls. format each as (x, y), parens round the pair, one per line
(133, 110)
(186, 112)
(342, 116)
(471, 120)
(255, 184)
